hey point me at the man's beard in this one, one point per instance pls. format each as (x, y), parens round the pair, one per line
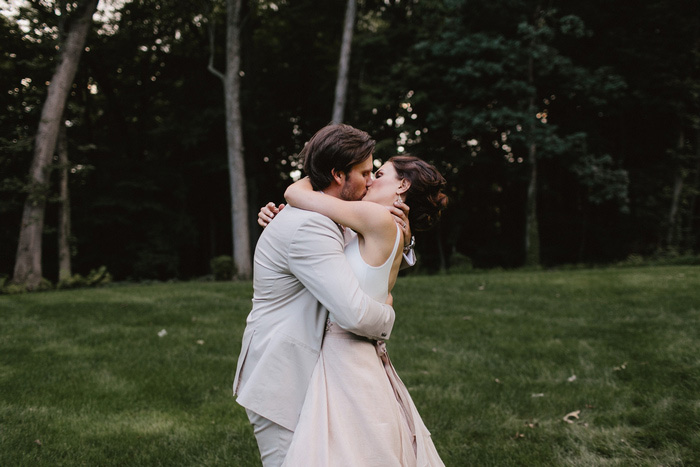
(348, 194)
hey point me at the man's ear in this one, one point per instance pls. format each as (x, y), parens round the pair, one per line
(338, 176)
(404, 186)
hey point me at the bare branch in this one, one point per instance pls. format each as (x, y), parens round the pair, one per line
(210, 66)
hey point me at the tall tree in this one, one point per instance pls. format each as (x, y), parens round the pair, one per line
(64, 227)
(673, 234)
(341, 85)
(231, 79)
(688, 234)
(64, 230)
(28, 267)
(532, 234)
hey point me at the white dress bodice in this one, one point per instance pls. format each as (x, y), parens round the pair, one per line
(374, 280)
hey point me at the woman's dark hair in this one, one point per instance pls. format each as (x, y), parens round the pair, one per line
(336, 146)
(424, 196)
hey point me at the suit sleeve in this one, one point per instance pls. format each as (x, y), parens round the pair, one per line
(317, 259)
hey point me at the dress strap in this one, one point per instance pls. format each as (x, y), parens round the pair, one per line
(396, 243)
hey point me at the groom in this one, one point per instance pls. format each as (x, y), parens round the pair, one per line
(300, 274)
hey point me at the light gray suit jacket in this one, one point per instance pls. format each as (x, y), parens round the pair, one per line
(300, 273)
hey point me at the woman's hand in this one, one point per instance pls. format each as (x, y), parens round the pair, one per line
(268, 212)
(390, 300)
(400, 212)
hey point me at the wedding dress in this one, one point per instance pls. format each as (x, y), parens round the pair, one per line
(357, 412)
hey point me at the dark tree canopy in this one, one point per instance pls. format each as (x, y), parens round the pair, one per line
(616, 123)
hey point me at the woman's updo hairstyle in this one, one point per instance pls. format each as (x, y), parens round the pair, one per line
(424, 196)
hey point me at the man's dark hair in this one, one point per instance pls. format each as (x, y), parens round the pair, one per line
(336, 146)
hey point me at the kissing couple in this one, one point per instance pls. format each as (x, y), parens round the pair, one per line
(313, 374)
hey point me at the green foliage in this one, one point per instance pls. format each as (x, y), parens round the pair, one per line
(95, 277)
(605, 182)
(73, 282)
(44, 285)
(460, 263)
(614, 87)
(8, 288)
(13, 289)
(661, 258)
(223, 268)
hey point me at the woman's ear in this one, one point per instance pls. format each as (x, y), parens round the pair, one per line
(403, 187)
(338, 176)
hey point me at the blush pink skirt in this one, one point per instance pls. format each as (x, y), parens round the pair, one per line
(357, 411)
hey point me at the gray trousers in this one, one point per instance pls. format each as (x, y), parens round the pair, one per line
(273, 439)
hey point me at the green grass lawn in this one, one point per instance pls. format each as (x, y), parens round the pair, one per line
(495, 361)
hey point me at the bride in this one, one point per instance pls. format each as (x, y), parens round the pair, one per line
(357, 411)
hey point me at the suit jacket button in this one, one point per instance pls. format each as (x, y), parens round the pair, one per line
(383, 334)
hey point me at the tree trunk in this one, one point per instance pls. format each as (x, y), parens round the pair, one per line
(532, 236)
(441, 249)
(64, 260)
(28, 270)
(234, 138)
(672, 236)
(583, 215)
(341, 84)
(688, 234)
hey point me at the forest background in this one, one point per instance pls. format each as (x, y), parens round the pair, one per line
(569, 132)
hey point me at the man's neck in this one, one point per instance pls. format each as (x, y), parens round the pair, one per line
(332, 190)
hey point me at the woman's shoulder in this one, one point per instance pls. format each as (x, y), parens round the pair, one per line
(377, 215)
(378, 223)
